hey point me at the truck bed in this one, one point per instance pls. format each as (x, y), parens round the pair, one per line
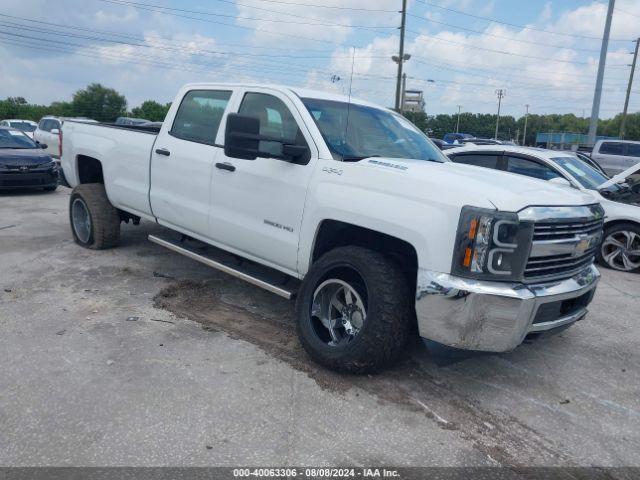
(124, 152)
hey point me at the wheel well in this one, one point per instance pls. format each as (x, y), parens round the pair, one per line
(613, 223)
(332, 234)
(89, 170)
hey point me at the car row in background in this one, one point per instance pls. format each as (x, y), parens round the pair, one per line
(25, 163)
(619, 196)
(26, 126)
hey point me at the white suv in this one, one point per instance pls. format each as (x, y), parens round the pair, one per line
(48, 133)
(616, 156)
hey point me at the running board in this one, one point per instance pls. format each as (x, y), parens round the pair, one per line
(183, 249)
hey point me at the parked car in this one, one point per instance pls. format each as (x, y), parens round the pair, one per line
(441, 144)
(48, 133)
(616, 156)
(26, 126)
(369, 227)
(620, 248)
(23, 163)
(131, 121)
(452, 137)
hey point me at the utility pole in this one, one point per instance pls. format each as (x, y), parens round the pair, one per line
(404, 89)
(623, 123)
(458, 122)
(401, 56)
(597, 96)
(526, 118)
(500, 93)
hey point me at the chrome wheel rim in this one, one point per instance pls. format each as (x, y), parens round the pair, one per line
(337, 312)
(81, 220)
(621, 250)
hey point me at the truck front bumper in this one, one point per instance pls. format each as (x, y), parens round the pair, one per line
(494, 316)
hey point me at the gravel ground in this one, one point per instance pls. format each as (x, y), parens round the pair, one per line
(137, 356)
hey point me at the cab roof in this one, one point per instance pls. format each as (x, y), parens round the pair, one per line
(299, 91)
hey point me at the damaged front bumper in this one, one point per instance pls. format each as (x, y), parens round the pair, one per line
(494, 316)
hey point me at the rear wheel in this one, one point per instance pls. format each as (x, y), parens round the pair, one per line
(620, 248)
(354, 310)
(95, 223)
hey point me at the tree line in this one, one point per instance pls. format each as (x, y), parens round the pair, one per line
(95, 101)
(106, 105)
(483, 125)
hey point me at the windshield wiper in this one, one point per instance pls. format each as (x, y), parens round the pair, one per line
(355, 158)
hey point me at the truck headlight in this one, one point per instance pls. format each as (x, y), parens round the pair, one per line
(491, 245)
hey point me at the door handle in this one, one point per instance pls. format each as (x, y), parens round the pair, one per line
(226, 166)
(163, 151)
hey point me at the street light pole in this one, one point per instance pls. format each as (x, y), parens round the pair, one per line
(500, 93)
(526, 118)
(401, 58)
(623, 123)
(597, 96)
(458, 122)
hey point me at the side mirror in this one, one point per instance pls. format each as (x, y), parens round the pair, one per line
(561, 181)
(242, 140)
(242, 137)
(42, 145)
(296, 153)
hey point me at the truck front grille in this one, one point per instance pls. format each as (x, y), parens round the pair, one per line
(564, 247)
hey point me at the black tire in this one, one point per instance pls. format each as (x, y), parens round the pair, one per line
(616, 230)
(104, 229)
(389, 310)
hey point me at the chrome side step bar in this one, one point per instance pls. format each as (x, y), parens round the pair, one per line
(283, 292)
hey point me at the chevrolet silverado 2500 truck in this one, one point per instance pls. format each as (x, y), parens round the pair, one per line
(348, 207)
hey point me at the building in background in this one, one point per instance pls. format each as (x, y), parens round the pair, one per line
(413, 101)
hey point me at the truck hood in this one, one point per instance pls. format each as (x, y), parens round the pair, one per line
(506, 191)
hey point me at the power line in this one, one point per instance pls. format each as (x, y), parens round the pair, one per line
(524, 27)
(319, 22)
(335, 7)
(531, 42)
(502, 52)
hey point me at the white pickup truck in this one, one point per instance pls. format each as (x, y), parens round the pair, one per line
(348, 207)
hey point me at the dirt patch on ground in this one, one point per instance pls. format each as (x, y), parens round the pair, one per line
(247, 313)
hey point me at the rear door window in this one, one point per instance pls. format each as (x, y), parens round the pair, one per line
(530, 168)
(490, 160)
(633, 150)
(199, 116)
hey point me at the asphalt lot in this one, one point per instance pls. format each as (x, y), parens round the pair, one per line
(138, 356)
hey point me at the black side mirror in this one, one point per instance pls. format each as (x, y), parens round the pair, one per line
(42, 145)
(297, 153)
(242, 137)
(242, 140)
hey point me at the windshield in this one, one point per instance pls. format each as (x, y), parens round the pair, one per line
(24, 126)
(586, 175)
(15, 139)
(353, 132)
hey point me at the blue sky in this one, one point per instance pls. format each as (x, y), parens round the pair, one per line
(543, 53)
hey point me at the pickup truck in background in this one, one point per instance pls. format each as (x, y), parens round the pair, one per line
(349, 208)
(616, 156)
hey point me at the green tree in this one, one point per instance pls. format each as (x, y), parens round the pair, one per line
(151, 110)
(100, 103)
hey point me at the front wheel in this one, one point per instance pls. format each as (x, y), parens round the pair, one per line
(95, 223)
(354, 310)
(620, 248)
